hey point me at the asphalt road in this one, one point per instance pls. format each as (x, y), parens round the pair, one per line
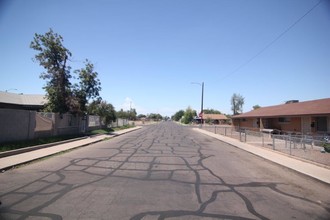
(163, 171)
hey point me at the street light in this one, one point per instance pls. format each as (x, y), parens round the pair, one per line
(201, 113)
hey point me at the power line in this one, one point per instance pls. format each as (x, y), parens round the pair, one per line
(272, 42)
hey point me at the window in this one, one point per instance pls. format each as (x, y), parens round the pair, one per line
(284, 120)
(321, 123)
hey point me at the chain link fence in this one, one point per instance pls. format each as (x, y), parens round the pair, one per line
(309, 147)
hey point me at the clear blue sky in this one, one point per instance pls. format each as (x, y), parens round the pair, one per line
(147, 52)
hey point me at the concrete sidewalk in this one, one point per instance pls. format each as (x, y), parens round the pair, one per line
(21, 158)
(318, 172)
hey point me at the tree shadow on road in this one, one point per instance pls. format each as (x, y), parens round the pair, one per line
(170, 157)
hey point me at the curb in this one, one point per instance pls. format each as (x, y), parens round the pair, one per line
(319, 179)
(129, 130)
(37, 147)
(275, 151)
(20, 151)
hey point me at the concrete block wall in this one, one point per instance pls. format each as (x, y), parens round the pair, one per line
(16, 125)
(20, 125)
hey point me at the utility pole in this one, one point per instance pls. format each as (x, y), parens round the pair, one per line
(202, 101)
(202, 120)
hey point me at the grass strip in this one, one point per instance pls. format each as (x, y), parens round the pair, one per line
(28, 143)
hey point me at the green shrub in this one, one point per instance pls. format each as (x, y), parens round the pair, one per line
(327, 147)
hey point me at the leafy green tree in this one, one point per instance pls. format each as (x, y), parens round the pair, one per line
(256, 107)
(178, 115)
(211, 111)
(237, 102)
(92, 108)
(189, 115)
(122, 114)
(155, 117)
(53, 56)
(132, 114)
(62, 95)
(88, 87)
(103, 109)
(129, 114)
(141, 116)
(107, 112)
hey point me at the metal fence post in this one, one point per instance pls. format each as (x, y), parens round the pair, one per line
(290, 145)
(289, 137)
(312, 143)
(240, 135)
(245, 134)
(303, 142)
(290, 141)
(263, 141)
(273, 142)
(225, 131)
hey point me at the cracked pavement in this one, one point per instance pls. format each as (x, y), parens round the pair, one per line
(162, 171)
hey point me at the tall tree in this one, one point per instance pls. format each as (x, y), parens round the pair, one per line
(53, 56)
(122, 114)
(178, 115)
(211, 111)
(237, 102)
(256, 107)
(132, 114)
(62, 95)
(103, 109)
(155, 116)
(141, 116)
(189, 115)
(88, 87)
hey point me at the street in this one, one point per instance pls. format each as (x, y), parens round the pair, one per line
(162, 171)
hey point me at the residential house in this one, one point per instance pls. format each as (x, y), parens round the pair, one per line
(22, 101)
(308, 117)
(215, 118)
